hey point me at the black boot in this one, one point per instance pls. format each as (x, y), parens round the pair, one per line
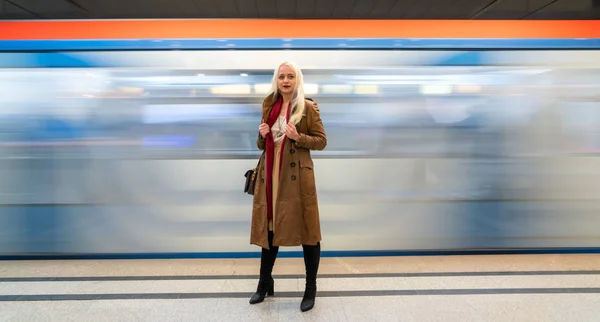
(266, 284)
(265, 287)
(312, 256)
(308, 301)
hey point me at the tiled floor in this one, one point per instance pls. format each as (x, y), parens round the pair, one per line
(452, 288)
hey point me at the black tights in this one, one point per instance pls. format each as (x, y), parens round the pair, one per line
(312, 256)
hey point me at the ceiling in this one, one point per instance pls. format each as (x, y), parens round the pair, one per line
(300, 9)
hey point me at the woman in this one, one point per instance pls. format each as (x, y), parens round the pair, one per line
(285, 210)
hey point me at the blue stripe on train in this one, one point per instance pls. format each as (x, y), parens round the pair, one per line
(307, 43)
(358, 253)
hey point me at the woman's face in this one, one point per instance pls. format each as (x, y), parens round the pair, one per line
(286, 80)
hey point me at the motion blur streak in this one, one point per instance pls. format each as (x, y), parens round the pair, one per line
(144, 152)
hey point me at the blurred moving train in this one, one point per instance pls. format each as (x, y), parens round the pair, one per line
(143, 152)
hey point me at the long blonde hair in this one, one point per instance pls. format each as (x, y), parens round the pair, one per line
(297, 96)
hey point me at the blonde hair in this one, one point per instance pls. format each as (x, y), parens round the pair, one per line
(297, 96)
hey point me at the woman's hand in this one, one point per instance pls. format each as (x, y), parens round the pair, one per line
(263, 128)
(291, 132)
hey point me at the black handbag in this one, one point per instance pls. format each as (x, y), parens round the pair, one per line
(250, 180)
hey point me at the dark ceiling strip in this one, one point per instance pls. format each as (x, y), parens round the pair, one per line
(214, 2)
(374, 3)
(539, 9)
(80, 7)
(484, 9)
(24, 9)
(197, 7)
(408, 9)
(237, 8)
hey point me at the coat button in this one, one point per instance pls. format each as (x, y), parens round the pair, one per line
(292, 151)
(262, 180)
(293, 164)
(293, 177)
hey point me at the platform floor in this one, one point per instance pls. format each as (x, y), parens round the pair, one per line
(433, 288)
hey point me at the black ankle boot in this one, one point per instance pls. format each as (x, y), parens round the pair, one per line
(312, 256)
(265, 287)
(308, 301)
(266, 283)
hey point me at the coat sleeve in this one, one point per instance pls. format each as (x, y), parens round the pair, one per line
(261, 142)
(316, 138)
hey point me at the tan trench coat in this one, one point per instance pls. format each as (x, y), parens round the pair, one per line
(296, 217)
